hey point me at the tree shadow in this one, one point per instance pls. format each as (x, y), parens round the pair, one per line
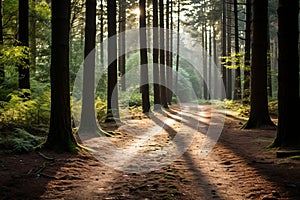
(29, 175)
(205, 186)
(290, 181)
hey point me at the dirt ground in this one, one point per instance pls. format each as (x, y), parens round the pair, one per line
(239, 166)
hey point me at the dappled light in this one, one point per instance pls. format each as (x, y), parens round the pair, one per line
(160, 100)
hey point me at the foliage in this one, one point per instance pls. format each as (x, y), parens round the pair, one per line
(10, 13)
(234, 61)
(12, 56)
(42, 11)
(204, 101)
(26, 111)
(19, 140)
(189, 81)
(132, 98)
(273, 107)
(101, 109)
(243, 110)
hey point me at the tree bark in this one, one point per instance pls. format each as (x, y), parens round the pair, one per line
(246, 88)
(224, 28)
(238, 86)
(168, 60)
(88, 121)
(122, 28)
(259, 111)
(177, 45)
(33, 45)
(163, 92)
(205, 61)
(60, 135)
(229, 53)
(112, 81)
(288, 75)
(144, 59)
(171, 55)
(155, 58)
(24, 76)
(101, 33)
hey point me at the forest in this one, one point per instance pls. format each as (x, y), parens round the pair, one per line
(140, 99)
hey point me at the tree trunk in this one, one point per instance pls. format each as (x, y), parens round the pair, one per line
(112, 81)
(259, 112)
(178, 45)
(246, 88)
(155, 57)
(144, 59)
(223, 68)
(205, 68)
(88, 121)
(122, 28)
(215, 59)
(32, 45)
(238, 87)
(269, 71)
(288, 75)
(229, 70)
(60, 135)
(163, 92)
(168, 63)
(210, 63)
(101, 33)
(24, 76)
(171, 55)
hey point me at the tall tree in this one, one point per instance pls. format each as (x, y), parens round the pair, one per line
(224, 28)
(259, 111)
(122, 28)
(229, 45)
(171, 55)
(144, 59)
(33, 36)
(163, 91)
(205, 59)
(269, 74)
(101, 32)
(60, 135)
(238, 86)
(24, 76)
(247, 59)
(156, 78)
(177, 45)
(112, 81)
(210, 65)
(168, 59)
(88, 122)
(288, 75)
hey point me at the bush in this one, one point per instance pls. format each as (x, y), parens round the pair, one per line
(23, 110)
(19, 141)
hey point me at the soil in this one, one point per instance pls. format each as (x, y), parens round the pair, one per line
(238, 167)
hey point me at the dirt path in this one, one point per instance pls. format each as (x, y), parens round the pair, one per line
(238, 167)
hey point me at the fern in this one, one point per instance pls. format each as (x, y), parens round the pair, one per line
(20, 145)
(20, 141)
(22, 111)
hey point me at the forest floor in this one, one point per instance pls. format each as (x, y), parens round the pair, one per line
(238, 167)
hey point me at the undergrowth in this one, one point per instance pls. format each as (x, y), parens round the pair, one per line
(243, 110)
(19, 141)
